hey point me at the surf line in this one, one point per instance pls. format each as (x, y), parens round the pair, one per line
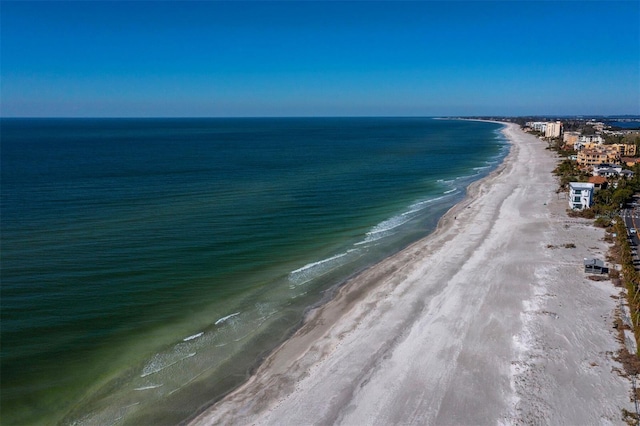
(162, 367)
(195, 336)
(223, 319)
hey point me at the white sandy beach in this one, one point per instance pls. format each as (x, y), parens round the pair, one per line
(480, 323)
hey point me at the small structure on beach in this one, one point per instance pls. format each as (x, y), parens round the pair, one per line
(595, 266)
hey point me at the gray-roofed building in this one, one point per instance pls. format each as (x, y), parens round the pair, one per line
(595, 266)
(606, 170)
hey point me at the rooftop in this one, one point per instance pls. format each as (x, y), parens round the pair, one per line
(581, 185)
(606, 166)
(594, 262)
(597, 180)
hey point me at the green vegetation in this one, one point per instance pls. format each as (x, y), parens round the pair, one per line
(603, 222)
(605, 211)
(630, 277)
(607, 201)
(568, 171)
(629, 139)
(556, 144)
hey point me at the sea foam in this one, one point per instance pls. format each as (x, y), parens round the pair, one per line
(316, 269)
(195, 336)
(147, 387)
(223, 319)
(160, 362)
(387, 227)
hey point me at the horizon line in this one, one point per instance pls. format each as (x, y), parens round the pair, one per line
(636, 116)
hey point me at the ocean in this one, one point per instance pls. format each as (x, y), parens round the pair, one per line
(148, 265)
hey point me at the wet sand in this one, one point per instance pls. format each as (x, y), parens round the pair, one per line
(489, 320)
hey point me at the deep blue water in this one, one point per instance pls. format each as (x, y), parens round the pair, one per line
(148, 264)
(625, 124)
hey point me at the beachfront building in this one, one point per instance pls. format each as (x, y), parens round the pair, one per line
(580, 145)
(570, 138)
(580, 195)
(588, 142)
(548, 129)
(592, 157)
(553, 130)
(590, 154)
(623, 149)
(611, 170)
(591, 139)
(538, 126)
(606, 170)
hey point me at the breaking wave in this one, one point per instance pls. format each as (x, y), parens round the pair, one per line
(316, 269)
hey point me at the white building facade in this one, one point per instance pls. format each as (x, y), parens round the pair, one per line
(539, 126)
(580, 195)
(549, 129)
(607, 170)
(591, 139)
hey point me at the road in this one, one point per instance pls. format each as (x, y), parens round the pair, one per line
(631, 219)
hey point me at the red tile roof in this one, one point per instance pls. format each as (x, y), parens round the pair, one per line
(598, 180)
(630, 160)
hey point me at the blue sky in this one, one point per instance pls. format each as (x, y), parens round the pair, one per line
(141, 58)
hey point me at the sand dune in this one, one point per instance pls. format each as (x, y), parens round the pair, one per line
(480, 323)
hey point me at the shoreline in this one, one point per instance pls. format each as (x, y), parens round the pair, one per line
(314, 310)
(401, 342)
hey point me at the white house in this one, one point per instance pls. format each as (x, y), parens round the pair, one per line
(611, 170)
(591, 139)
(580, 195)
